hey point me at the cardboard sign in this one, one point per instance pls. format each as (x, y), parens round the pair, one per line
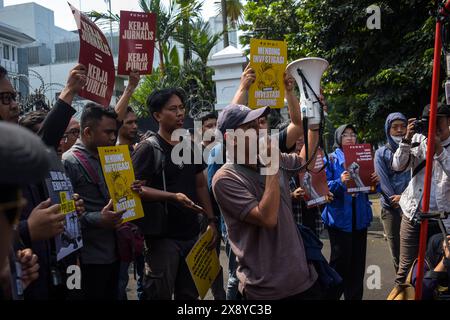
(203, 264)
(96, 56)
(60, 191)
(268, 58)
(119, 175)
(315, 183)
(359, 163)
(137, 42)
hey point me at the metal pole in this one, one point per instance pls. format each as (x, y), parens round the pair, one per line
(110, 29)
(430, 149)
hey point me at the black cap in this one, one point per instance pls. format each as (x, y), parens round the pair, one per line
(235, 115)
(443, 110)
(24, 157)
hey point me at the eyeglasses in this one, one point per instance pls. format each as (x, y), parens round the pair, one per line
(75, 133)
(8, 97)
(349, 135)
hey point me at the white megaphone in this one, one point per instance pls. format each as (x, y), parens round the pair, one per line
(312, 70)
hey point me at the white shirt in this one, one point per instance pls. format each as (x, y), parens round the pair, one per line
(407, 157)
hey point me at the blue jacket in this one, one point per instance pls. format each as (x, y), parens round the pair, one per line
(392, 182)
(338, 213)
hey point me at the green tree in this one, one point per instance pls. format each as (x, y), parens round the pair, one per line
(372, 72)
(202, 40)
(232, 12)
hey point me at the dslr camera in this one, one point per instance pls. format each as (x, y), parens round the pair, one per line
(421, 126)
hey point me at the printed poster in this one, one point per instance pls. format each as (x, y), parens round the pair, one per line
(268, 58)
(60, 191)
(137, 42)
(119, 175)
(314, 183)
(203, 264)
(359, 163)
(96, 55)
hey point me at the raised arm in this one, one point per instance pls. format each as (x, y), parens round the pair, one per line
(122, 104)
(248, 77)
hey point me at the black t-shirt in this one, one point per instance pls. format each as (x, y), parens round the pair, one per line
(183, 223)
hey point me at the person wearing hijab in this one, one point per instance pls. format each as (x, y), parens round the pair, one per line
(392, 183)
(347, 218)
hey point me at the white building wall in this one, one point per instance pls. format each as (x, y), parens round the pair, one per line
(37, 22)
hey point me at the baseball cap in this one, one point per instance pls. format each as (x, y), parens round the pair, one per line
(443, 110)
(235, 115)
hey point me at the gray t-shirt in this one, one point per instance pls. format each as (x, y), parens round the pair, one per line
(272, 262)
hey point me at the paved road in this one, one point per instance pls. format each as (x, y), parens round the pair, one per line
(378, 262)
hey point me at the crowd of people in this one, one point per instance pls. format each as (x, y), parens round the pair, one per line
(271, 237)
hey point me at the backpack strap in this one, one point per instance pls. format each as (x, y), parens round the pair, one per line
(159, 162)
(419, 168)
(93, 175)
(91, 172)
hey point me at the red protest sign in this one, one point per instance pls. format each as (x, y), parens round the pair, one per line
(359, 163)
(137, 42)
(96, 56)
(314, 183)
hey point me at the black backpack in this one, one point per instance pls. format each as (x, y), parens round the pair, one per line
(155, 221)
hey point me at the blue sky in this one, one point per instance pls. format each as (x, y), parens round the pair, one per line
(62, 11)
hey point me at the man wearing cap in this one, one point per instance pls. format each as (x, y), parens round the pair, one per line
(261, 230)
(24, 160)
(287, 141)
(411, 155)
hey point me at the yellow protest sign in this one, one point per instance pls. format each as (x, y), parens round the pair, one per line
(67, 205)
(268, 58)
(119, 175)
(203, 264)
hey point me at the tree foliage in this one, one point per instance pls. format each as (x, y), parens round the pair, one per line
(372, 72)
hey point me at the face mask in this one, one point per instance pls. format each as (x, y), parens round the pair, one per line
(397, 139)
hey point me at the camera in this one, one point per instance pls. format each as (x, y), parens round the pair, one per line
(421, 126)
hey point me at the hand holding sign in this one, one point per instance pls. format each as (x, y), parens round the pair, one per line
(76, 81)
(133, 80)
(111, 219)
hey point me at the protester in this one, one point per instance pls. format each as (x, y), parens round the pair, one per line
(207, 142)
(209, 123)
(9, 108)
(128, 135)
(99, 259)
(261, 230)
(436, 281)
(70, 136)
(287, 140)
(33, 120)
(410, 157)
(181, 191)
(392, 183)
(347, 218)
(308, 217)
(128, 131)
(24, 160)
(40, 221)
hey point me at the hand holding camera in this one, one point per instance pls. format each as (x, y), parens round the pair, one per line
(411, 129)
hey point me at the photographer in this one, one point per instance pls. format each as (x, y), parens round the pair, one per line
(411, 154)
